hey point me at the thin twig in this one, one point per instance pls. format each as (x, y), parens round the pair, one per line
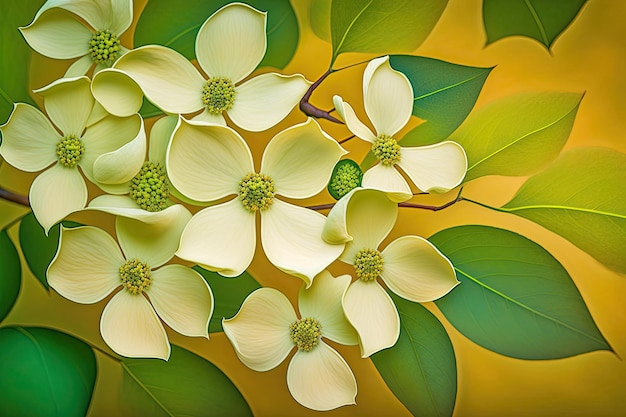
(434, 208)
(309, 109)
(15, 198)
(347, 139)
(322, 206)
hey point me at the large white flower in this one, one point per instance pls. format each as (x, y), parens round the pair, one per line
(89, 265)
(388, 98)
(266, 328)
(108, 149)
(229, 46)
(210, 162)
(410, 266)
(89, 29)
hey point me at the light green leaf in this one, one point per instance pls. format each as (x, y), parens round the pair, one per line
(420, 369)
(175, 24)
(382, 26)
(45, 373)
(514, 298)
(517, 135)
(543, 20)
(228, 294)
(10, 274)
(581, 197)
(186, 385)
(319, 18)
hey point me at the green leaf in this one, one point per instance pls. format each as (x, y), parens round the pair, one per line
(581, 198)
(228, 294)
(148, 109)
(186, 385)
(517, 135)
(543, 20)
(45, 373)
(319, 18)
(514, 298)
(420, 369)
(382, 26)
(10, 274)
(15, 54)
(39, 249)
(175, 24)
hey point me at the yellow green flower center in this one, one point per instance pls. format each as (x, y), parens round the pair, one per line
(256, 192)
(386, 150)
(218, 95)
(135, 276)
(69, 151)
(368, 264)
(104, 47)
(346, 176)
(305, 333)
(149, 187)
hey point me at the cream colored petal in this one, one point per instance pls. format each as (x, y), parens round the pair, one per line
(121, 15)
(292, 240)
(259, 332)
(79, 67)
(322, 301)
(86, 266)
(266, 99)
(232, 42)
(388, 98)
(55, 193)
(209, 118)
(57, 34)
(300, 160)
(122, 205)
(435, 168)
(221, 238)
(117, 92)
(97, 114)
(388, 179)
(28, 139)
(353, 123)
(166, 77)
(68, 103)
(183, 299)
(160, 135)
(207, 162)
(96, 13)
(373, 314)
(414, 269)
(131, 328)
(321, 379)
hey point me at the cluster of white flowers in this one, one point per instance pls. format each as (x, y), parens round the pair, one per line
(94, 131)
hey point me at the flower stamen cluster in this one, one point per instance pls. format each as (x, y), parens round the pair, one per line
(368, 264)
(256, 192)
(69, 151)
(135, 276)
(149, 188)
(104, 47)
(305, 333)
(386, 150)
(346, 177)
(218, 95)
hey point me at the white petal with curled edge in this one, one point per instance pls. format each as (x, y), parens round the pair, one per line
(166, 77)
(221, 238)
(68, 102)
(387, 179)
(86, 266)
(55, 193)
(79, 67)
(117, 92)
(121, 15)
(183, 299)
(207, 162)
(28, 139)
(373, 314)
(322, 301)
(160, 136)
(414, 269)
(232, 42)
(300, 160)
(321, 379)
(57, 34)
(388, 97)
(292, 240)
(435, 168)
(209, 118)
(131, 328)
(122, 164)
(353, 123)
(259, 332)
(97, 13)
(122, 205)
(266, 99)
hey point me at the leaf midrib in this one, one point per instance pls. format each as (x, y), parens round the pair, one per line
(538, 22)
(560, 207)
(145, 388)
(340, 44)
(447, 87)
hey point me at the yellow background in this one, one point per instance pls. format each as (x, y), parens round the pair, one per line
(589, 57)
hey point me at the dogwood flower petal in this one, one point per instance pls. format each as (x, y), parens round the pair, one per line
(160, 136)
(79, 67)
(131, 328)
(389, 180)
(115, 15)
(86, 266)
(123, 205)
(68, 103)
(210, 118)
(259, 332)
(353, 123)
(118, 93)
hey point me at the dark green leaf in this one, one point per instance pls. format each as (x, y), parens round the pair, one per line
(420, 369)
(319, 16)
(44, 373)
(186, 385)
(514, 298)
(148, 109)
(228, 294)
(543, 20)
(175, 24)
(10, 274)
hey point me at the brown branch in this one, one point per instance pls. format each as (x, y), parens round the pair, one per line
(434, 208)
(312, 111)
(15, 198)
(322, 206)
